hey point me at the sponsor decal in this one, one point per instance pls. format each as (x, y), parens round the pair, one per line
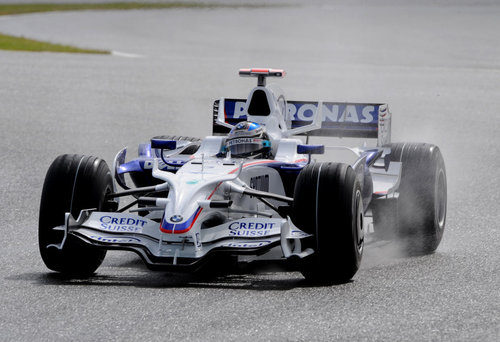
(121, 224)
(148, 164)
(304, 111)
(127, 239)
(298, 233)
(197, 240)
(246, 244)
(333, 113)
(260, 183)
(250, 228)
(178, 228)
(176, 218)
(237, 141)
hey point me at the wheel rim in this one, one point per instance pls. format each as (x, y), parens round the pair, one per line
(441, 199)
(360, 235)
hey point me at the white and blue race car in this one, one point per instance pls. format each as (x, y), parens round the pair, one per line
(253, 188)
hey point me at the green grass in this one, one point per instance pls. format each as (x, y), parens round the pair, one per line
(12, 43)
(8, 9)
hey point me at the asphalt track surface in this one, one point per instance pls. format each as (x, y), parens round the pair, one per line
(437, 66)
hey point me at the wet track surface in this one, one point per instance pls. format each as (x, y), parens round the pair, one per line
(436, 65)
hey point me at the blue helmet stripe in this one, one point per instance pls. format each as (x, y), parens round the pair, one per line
(253, 126)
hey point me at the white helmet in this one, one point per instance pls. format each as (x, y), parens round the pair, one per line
(248, 140)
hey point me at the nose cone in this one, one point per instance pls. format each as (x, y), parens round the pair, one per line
(177, 224)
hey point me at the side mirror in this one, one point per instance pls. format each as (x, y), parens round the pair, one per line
(310, 149)
(164, 144)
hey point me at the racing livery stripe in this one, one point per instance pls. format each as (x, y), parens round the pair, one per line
(170, 227)
(265, 162)
(181, 228)
(254, 163)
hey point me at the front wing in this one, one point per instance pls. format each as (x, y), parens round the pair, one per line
(124, 231)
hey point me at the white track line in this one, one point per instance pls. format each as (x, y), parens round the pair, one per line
(127, 55)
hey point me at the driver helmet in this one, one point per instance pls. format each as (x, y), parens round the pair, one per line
(248, 140)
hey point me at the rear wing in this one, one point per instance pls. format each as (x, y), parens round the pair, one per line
(340, 119)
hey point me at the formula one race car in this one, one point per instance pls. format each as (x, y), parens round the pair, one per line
(250, 189)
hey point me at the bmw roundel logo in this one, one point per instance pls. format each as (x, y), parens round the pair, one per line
(176, 218)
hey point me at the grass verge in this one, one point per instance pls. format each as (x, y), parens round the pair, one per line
(23, 8)
(13, 43)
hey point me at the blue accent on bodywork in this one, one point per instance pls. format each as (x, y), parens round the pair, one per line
(179, 226)
(359, 114)
(164, 144)
(339, 118)
(144, 150)
(288, 173)
(137, 165)
(310, 149)
(120, 159)
(292, 167)
(372, 155)
(131, 166)
(287, 167)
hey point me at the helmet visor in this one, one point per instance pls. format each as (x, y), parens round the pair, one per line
(246, 146)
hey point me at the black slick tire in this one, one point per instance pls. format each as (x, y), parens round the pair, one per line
(417, 218)
(328, 204)
(73, 182)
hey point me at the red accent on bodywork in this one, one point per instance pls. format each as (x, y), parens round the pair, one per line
(213, 192)
(265, 162)
(300, 160)
(255, 163)
(260, 70)
(173, 231)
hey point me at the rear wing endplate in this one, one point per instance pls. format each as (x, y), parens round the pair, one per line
(339, 119)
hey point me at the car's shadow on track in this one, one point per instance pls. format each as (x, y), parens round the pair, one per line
(255, 277)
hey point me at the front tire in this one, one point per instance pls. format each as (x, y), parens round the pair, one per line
(328, 204)
(73, 182)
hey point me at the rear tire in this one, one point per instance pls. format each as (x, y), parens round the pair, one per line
(73, 182)
(328, 204)
(417, 218)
